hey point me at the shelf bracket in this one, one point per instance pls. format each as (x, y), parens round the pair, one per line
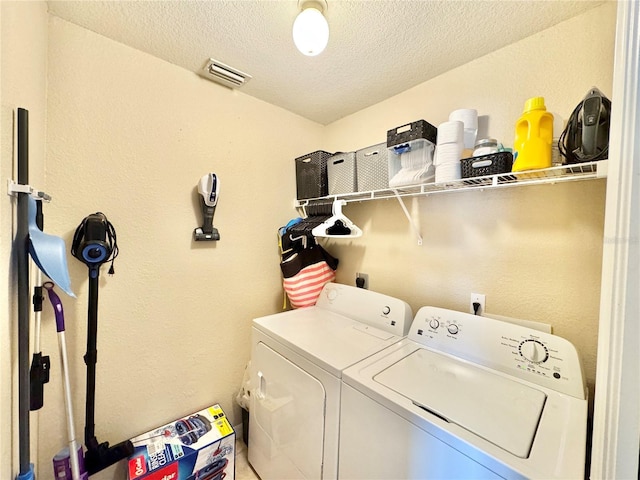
(411, 222)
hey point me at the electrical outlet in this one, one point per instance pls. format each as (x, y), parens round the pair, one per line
(364, 278)
(477, 298)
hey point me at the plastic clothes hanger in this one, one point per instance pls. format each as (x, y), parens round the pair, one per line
(337, 226)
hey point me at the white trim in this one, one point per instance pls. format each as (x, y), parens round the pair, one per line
(616, 424)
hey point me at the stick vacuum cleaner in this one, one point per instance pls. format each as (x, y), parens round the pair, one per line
(208, 188)
(94, 243)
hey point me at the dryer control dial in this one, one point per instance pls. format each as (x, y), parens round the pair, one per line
(534, 351)
(434, 323)
(453, 328)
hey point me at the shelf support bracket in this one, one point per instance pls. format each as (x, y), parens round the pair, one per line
(408, 215)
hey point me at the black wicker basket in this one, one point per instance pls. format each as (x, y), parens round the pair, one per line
(492, 164)
(311, 175)
(412, 131)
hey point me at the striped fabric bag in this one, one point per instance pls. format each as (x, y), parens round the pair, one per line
(305, 273)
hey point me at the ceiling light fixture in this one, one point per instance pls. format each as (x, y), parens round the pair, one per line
(310, 28)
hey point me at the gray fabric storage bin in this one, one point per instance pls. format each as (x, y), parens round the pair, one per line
(341, 173)
(372, 169)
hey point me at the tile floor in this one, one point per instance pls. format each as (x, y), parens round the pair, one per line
(243, 469)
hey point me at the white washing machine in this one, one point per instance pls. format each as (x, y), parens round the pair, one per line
(297, 360)
(465, 397)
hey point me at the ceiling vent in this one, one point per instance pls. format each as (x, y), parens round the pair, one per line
(224, 74)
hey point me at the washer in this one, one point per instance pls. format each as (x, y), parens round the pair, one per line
(297, 361)
(465, 396)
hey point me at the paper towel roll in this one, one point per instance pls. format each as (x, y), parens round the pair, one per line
(469, 117)
(448, 172)
(448, 153)
(450, 132)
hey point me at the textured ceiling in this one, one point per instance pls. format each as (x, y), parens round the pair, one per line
(377, 48)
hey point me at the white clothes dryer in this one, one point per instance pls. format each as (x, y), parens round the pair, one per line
(465, 397)
(297, 360)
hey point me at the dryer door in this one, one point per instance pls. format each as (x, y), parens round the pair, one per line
(287, 419)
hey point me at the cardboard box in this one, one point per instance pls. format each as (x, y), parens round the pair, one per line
(200, 446)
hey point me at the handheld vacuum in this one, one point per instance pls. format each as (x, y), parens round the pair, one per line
(94, 243)
(586, 136)
(208, 188)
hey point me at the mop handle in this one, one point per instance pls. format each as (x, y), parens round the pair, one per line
(73, 446)
(56, 303)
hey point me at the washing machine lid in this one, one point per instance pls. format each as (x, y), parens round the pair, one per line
(503, 411)
(329, 340)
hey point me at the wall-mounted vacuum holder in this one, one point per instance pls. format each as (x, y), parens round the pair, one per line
(208, 188)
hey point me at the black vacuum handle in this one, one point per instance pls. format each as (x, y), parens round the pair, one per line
(98, 455)
(91, 357)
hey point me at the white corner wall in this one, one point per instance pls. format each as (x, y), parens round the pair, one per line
(535, 252)
(616, 422)
(23, 80)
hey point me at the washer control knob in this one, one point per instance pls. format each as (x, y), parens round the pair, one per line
(534, 351)
(386, 310)
(434, 323)
(453, 328)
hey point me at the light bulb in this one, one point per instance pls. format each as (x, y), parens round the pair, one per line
(310, 31)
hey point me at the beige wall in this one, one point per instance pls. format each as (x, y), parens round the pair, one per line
(130, 135)
(535, 252)
(23, 36)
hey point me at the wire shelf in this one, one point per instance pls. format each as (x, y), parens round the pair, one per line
(560, 174)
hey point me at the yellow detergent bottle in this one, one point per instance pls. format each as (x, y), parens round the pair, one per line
(534, 136)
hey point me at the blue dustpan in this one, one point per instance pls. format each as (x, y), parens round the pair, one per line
(48, 252)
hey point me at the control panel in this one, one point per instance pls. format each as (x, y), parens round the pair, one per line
(371, 308)
(523, 352)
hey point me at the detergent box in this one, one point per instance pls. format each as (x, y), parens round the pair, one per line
(196, 447)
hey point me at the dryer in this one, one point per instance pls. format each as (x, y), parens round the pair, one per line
(297, 361)
(465, 396)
